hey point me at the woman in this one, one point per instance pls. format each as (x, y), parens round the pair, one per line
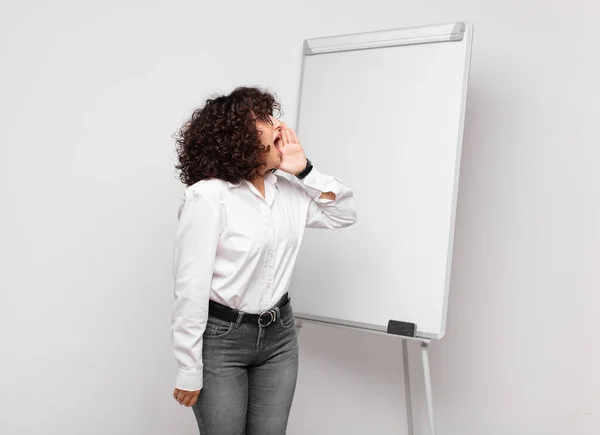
(240, 228)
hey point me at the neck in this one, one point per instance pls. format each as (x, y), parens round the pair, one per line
(258, 181)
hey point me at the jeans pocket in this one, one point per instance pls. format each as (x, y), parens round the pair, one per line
(217, 328)
(287, 320)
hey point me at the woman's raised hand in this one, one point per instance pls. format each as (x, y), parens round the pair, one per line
(293, 159)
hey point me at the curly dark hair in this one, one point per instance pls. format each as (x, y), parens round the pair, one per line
(221, 140)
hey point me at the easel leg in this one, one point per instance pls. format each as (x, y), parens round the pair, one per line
(428, 389)
(409, 414)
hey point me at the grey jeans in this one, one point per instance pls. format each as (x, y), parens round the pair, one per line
(250, 376)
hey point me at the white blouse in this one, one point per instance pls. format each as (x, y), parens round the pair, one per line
(239, 249)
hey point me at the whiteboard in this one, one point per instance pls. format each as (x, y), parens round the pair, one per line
(384, 112)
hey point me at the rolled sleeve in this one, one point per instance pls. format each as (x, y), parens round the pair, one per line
(327, 213)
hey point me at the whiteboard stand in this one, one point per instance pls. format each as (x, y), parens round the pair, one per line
(428, 388)
(405, 366)
(409, 417)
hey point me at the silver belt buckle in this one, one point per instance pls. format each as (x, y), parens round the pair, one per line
(272, 317)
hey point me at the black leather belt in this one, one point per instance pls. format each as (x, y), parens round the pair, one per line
(263, 319)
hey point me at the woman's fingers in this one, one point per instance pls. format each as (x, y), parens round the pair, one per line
(187, 400)
(176, 393)
(285, 134)
(289, 134)
(294, 136)
(190, 398)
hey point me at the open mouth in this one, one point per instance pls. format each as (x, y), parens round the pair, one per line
(277, 144)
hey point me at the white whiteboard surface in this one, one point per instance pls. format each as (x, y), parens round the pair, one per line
(388, 122)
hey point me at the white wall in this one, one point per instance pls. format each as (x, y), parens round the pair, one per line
(90, 94)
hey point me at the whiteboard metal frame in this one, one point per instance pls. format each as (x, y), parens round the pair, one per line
(439, 33)
(385, 38)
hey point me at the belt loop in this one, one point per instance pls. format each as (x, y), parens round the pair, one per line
(239, 319)
(277, 313)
